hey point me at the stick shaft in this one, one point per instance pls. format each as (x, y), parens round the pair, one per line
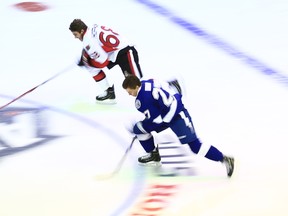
(32, 89)
(125, 155)
(120, 163)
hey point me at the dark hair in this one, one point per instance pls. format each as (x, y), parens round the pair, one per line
(77, 25)
(131, 81)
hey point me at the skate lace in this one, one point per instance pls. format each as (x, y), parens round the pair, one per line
(146, 156)
(103, 94)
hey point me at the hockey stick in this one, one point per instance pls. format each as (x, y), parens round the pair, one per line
(119, 165)
(32, 89)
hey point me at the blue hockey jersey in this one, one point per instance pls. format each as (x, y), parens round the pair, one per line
(158, 103)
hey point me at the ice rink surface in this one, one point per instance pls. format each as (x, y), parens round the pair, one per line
(54, 141)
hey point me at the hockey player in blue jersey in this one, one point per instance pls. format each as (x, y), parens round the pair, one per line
(164, 109)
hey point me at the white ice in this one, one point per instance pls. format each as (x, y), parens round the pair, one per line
(234, 106)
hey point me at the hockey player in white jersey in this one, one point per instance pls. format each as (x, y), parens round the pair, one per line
(164, 109)
(105, 48)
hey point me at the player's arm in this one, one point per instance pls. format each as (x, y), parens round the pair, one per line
(167, 104)
(95, 55)
(155, 107)
(96, 71)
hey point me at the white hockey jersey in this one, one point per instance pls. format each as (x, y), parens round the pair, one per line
(102, 44)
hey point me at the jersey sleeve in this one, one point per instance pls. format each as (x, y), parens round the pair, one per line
(98, 57)
(158, 105)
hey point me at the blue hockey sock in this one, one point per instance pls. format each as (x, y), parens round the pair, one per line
(148, 144)
(207, 151)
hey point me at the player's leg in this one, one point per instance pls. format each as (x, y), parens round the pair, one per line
(152, 158)
(183, 127)
(108, 95)
(128, 60)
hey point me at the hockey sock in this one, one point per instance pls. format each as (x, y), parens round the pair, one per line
(102, 80)
(147, 144)
(207, 151)
(100, 76)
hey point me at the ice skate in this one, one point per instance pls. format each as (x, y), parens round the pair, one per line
(152, 159)
(175, 84)
(229, 163)
(107, 97)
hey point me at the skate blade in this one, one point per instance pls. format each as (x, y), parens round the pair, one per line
(107, 102)
(151, 164)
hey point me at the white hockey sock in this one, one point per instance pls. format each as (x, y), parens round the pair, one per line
(103, 84)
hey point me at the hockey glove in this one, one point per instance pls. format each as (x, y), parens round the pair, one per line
(84, 60)
(152, 126)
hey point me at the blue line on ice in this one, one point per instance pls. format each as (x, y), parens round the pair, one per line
(218, 43)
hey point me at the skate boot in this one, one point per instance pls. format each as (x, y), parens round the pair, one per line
(108, 96)
(176, 85)
(229, 163)
(152, 159)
